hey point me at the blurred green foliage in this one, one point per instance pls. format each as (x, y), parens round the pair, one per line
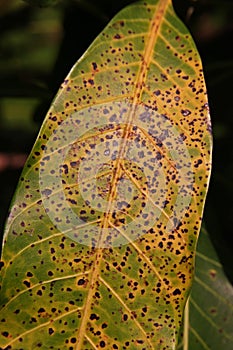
(40, 40)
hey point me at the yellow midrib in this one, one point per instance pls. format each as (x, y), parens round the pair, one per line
(136, 98)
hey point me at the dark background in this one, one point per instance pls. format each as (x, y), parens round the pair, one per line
(40, 40)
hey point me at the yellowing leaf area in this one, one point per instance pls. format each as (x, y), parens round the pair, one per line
(100, 242)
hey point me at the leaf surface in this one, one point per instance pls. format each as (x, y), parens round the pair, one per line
(100, 241)
(208, 320)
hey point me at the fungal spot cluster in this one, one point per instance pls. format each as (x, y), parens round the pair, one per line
(108, 188)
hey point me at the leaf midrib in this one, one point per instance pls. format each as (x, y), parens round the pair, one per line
(136, 98)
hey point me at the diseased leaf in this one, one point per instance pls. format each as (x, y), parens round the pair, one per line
(100, 241)
(209, 323)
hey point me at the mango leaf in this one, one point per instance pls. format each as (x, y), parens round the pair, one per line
(100, 241)
(208, 317)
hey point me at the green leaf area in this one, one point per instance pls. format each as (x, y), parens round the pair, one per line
(208, 316)
(100, 242)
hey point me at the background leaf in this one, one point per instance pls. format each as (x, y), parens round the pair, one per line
(42, 3)
(58, 288)
(209, 316)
